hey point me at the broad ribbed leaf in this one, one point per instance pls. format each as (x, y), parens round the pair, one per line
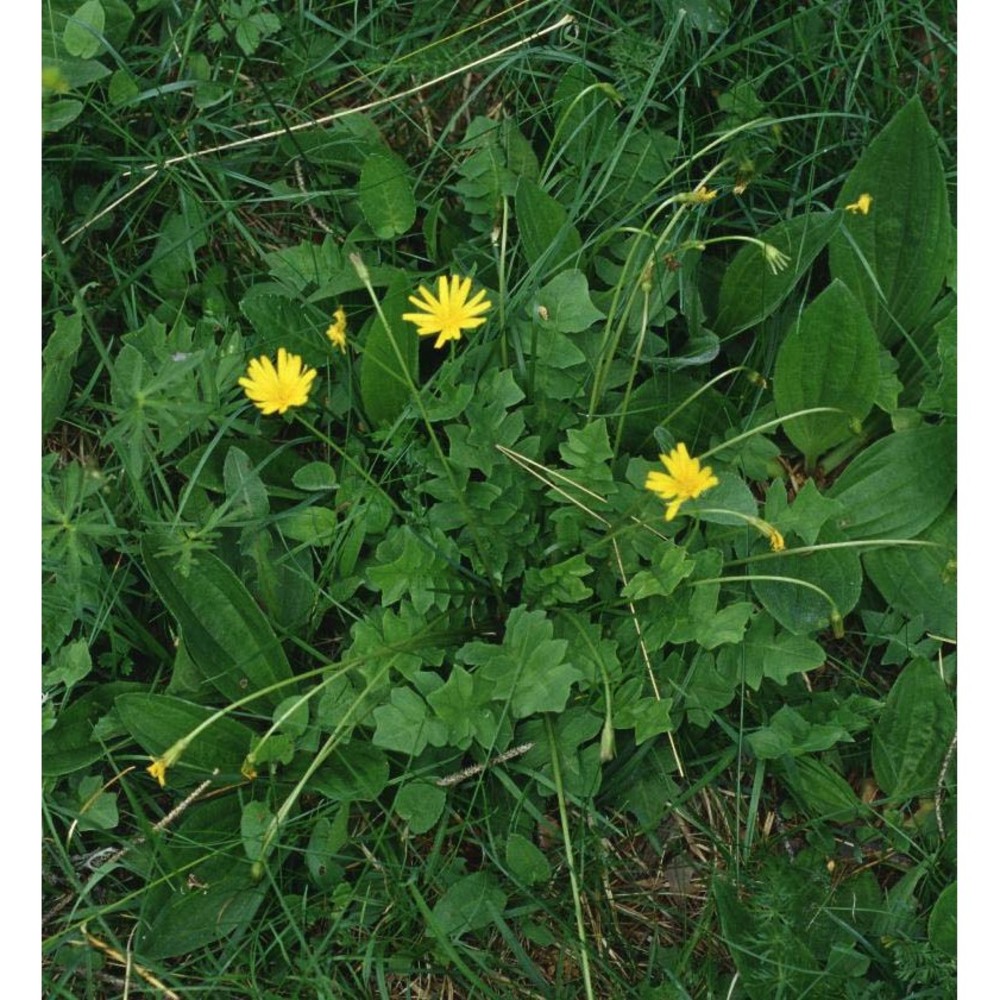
(894, 259)
(911, 737)
(896, 487)
(226, 634)
(830, 358)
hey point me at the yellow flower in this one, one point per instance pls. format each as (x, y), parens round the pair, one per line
(158, 769)
(337, 330)
(699, 196)
(685, 479)
(862, 205)
(777, 539)
(274, 390)
(451, 312)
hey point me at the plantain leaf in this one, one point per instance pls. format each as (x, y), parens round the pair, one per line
(229, 639)
(830, 358)
(896, 487)
(911, 737)
(895, 257)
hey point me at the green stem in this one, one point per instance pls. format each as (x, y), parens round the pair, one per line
(581, 929)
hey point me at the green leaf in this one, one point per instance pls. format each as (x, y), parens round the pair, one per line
(546, 235)
(942, 924)
(588, 452)
(420, 805)
(469, 904)
(389, 361)
(558, 584)
(776, 656)
(244, 489)
(58, 359)
(81, 36)
(96, 810)
(789, 733)
(661, 579)
(943, 397)
(386, 195)
(312, 525)
(911, 737)
(228, 637)
(315, 476)
(58, 114)
(157, 721)
(564, 304)
(308, 263)
(823, 792)
(585, 129)
(921, 582)
(356, 772)
(526, 862)
(182, 233)
(751, 290)
(191, 919)
(71, 744)
(807, 514)
(325, 841)
(529, 667)
(647, 716)
(122, 88)
(462, 703)
(70, 664)
(830, 358)
(255, 820)
(896, 487)
(800, 609)
(894, 259)
(405, 725)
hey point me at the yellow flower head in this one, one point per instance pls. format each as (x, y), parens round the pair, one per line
(862, 205)
(451, 312)
(699, 196)
(274, 390)
(685, 479)
(337, 330)
(776, 538)
(158, 769)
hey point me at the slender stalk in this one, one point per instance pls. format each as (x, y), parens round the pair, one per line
(581, 929)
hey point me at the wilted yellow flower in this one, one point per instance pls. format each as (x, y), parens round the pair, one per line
(684, 479)
(158, 769)
(337, 330)
(699, 196)
(274, 390)
(451, 312)
(776, 260)
(862, 205)
(777, 539)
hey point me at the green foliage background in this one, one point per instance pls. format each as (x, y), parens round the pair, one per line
(446, 707)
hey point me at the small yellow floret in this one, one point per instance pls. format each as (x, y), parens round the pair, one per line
(862, 205)
(337, 330)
